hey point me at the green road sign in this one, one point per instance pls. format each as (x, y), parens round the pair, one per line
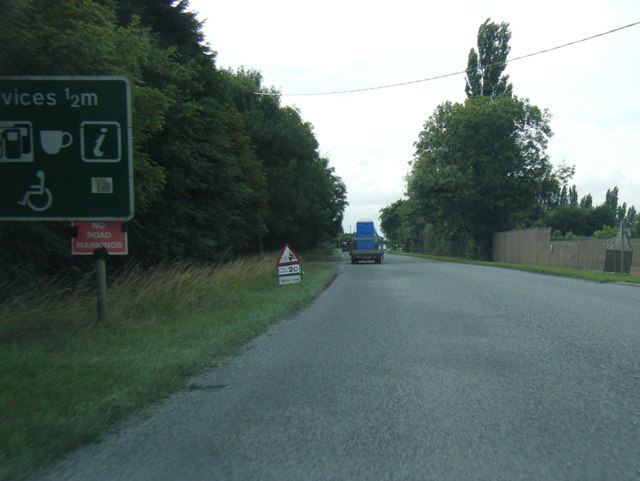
(65, 148)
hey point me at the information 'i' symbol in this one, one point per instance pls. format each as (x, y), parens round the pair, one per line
(97, 147)
(101, 141)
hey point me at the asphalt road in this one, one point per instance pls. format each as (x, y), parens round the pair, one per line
(409, 370)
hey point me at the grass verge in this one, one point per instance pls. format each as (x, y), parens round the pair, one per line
(65, 380)
(595, 276)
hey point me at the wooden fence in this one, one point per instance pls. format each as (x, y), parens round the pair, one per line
(535, 247)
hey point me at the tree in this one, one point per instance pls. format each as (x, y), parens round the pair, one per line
(568, 218)
(485, 67)
(586, 202)
(573, 196)
(480, 165)
(600, 216)
(611, 199)
(306, 198)
(176, 28)
(621, 212)
(564, 196)
(632, 215)
(393, 222)
(403, 226)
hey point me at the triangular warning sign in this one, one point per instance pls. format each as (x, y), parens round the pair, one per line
(287, 256)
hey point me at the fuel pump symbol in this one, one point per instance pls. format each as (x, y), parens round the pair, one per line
(16, 141)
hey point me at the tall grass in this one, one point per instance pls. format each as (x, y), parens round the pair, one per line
(44, 308)
(136, 296)
(169, 293)
(65, 378)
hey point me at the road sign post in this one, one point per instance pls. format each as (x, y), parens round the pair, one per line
(65, 154)
(100, 255)
(65, 148)
(288, 267)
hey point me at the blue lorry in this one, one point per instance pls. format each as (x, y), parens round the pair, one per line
(366, 244)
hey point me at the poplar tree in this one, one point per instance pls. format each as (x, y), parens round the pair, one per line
(485, 66)
(480, 167)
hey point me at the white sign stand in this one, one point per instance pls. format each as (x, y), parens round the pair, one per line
(288, 267)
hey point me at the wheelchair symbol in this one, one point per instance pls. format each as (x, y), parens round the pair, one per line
(43, 203)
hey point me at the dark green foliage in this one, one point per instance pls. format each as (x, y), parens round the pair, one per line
(306, 199)
(573, 196)
(401, 225)
(586, 202)
(479, 166)
(170, 21)
(569, 218)
(601, 216)
(632, 215)
(611, 199)
(218, 170)
(565, 216)
(485, 66)
(391, 222)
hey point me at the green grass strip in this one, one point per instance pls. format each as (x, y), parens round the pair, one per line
(595, 276)
(66, 385)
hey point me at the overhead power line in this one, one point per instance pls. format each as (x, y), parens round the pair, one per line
(402, 84)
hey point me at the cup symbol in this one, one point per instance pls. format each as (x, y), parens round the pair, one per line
(53, 141)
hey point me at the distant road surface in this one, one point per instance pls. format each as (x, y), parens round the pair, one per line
(408, 370)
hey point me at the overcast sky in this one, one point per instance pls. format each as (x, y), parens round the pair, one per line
(591, 89)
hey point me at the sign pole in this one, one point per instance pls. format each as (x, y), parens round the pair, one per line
(622, 247)
(100, 256)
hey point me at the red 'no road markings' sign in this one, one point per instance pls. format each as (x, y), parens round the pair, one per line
(94, 235)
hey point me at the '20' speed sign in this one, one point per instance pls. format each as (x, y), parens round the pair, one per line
(290, 269)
